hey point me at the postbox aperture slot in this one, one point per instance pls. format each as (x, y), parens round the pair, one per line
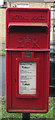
(27, 29)
(21, 27)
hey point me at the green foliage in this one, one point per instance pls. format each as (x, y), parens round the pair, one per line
(9, 115)
(46, 115)
(2, 53)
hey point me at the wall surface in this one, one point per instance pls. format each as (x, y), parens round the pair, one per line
(2, 28)
(31, 4)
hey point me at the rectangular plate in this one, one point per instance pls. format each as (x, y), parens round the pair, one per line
(27, 77)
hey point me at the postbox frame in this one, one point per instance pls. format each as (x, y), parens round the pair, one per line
(11, 50)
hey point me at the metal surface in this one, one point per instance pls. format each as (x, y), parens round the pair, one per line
(27, 29)
(26, 116)
(2, 76)
(52, 70)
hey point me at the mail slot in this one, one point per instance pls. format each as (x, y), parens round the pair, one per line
(27, 59)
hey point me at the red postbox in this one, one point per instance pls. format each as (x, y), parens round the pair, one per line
(27, 59)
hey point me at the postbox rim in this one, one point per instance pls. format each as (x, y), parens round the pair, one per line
(12, 8)
(11, 24)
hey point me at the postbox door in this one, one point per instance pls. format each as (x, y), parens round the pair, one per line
(24, 100)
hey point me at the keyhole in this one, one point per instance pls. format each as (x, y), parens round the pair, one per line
(15, 80)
